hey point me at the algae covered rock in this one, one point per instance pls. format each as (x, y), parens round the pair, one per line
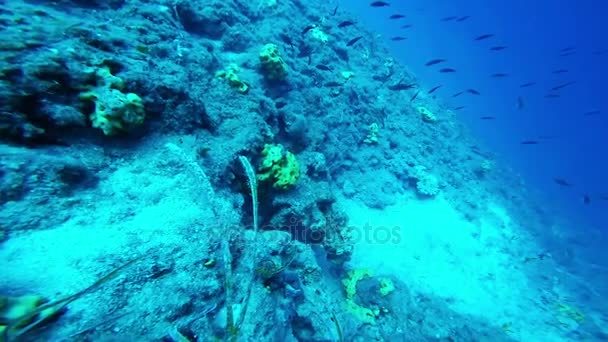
(280, 166)
(273, 65)
(114, 111)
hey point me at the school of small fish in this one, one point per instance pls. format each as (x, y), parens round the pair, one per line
(552, 93)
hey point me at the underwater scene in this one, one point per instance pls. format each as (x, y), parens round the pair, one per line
(303, 170)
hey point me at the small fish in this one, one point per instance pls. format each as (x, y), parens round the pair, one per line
(459, 108)
(346, 23)
(287, 40)
(565, 54)
(323, 67)
(353, 41)
(530, 142)
(562, 182)
(463, 18)
(446, 70)
(551, 96)
(473, 91)
(528, 84)
(398, 38)
(563, 85)
(401, 86)
(593, 112)
(567, 49)
(332, 84)
(520, 103)
(600, 52)
(406, 26)
(434, 61)
(458, 94)
(335, 11)
(379, 4)
(499, 75)
(308, 28)
(484, 36)
(605, 198)
(487, 118)
(396, 16)
(497, 48)
(304, 51)
(559, 71)
(586, 199)
(435, 88)
(449, 18)
(415, 96)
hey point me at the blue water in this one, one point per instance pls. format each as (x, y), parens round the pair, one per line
(534, 33)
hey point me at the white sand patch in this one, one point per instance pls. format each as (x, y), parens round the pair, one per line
(437, 252)
(57, 260)
(134, 210)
